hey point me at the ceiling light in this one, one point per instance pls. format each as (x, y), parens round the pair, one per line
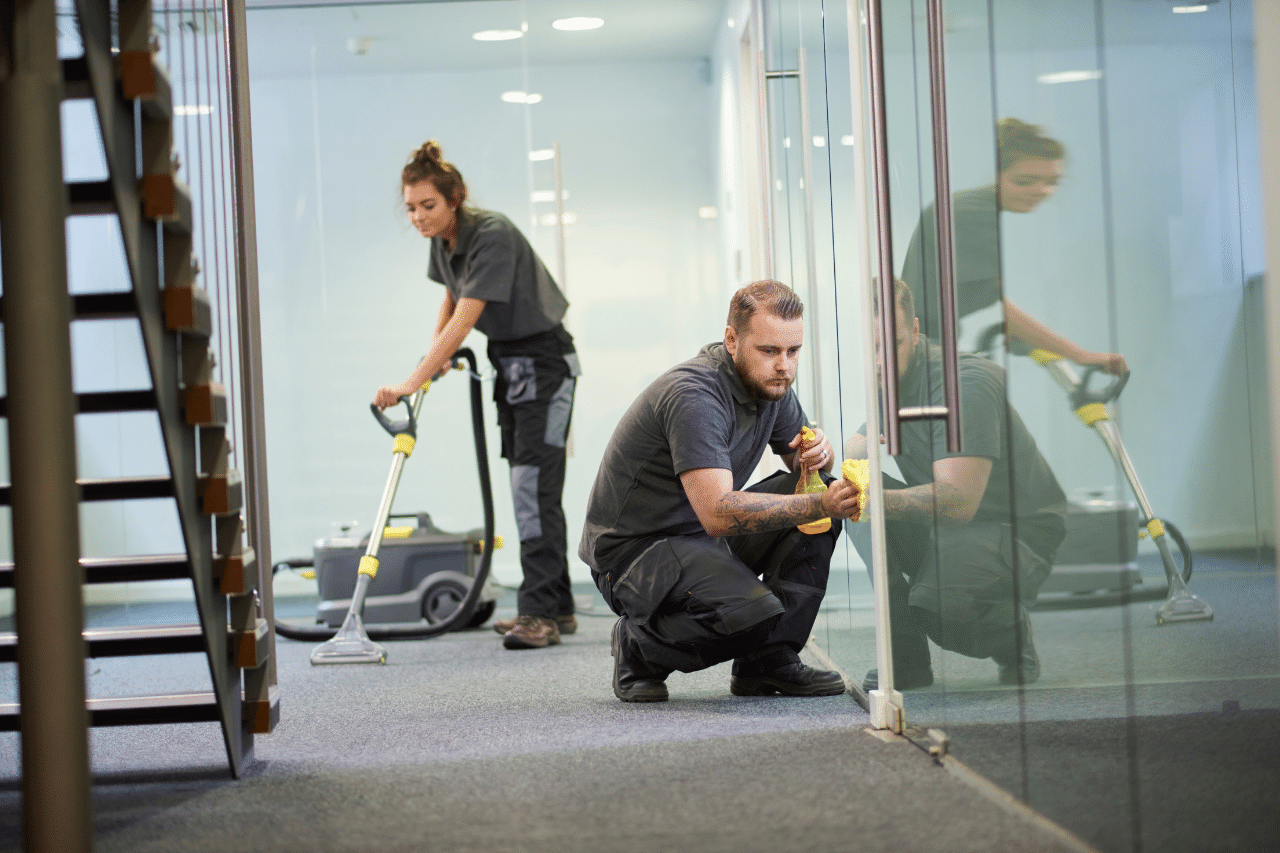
(542, 154)
(497, 35)
(192, 109)
(708, 212)
(819, 141)
(547, 195)
(1068, 77)
(521, 97)
(1183, 10)
(550, 219)
(847, 139)
(572, 24)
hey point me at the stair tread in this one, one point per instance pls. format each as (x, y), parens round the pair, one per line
(98, 570)
(196, 707)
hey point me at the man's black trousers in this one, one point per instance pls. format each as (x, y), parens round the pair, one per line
(689, 602)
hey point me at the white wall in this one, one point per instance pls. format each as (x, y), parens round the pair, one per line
(346, 305)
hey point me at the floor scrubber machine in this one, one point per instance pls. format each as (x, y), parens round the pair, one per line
(1100, 550)
(402, 582)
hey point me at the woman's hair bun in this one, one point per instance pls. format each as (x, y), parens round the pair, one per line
(430, 152)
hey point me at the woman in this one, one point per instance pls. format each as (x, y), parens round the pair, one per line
(496, 283)
(1030, 166)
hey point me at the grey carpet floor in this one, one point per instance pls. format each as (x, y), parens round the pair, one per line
(457, 744)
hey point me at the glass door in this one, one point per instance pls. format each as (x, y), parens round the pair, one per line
(1083, 594)
(813, 161)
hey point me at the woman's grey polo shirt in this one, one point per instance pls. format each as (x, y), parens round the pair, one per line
(493, 261)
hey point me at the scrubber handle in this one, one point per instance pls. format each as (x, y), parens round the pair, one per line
(1082, 396)
(409, 427)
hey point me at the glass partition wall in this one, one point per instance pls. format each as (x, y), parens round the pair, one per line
(681, 149)
(1102, 628)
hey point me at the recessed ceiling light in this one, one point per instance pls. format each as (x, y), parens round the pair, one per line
(497, 35)
(192, 109)
(547, 195)
(1068, 77)
(578, 23)
(542, 154)
(708, 212)
(1183, 10)
(521, 97)
(847, 139)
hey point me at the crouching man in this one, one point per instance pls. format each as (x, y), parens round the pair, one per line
(698, 569)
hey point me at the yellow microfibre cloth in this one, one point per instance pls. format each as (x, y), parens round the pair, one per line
(857, 471)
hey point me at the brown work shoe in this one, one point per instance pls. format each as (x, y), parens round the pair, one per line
(567, 624)
(532, 632)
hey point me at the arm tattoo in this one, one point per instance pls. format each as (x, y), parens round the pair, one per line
(930, 503)
(751, 512)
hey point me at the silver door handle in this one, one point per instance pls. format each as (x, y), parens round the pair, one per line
(894, 413)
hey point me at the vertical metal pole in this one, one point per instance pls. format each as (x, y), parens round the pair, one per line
(806, 150)
(766, 166)
(886, 706)
(884, 234)
(1266, 28)
(56, 807)
(254, 452)
(561, 256)
(945, 226)
(560, 253)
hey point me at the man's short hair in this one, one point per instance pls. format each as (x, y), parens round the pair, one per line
(773, 297)
(902, 297)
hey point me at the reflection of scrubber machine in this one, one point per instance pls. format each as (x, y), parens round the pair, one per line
(1100, 549)
(423, 573)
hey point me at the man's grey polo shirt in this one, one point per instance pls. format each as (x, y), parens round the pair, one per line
(696, 415)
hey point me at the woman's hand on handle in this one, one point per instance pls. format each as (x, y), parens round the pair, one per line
(1111, 362)
(389, 395)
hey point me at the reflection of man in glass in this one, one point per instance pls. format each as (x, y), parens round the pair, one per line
(698, 568)
(970, 536)
(1030, 168)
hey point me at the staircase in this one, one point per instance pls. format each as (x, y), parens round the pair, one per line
(154, 210)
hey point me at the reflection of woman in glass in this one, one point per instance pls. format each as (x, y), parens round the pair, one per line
(495, 282)
(1030, 167)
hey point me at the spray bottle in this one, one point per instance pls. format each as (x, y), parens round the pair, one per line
(809, 483)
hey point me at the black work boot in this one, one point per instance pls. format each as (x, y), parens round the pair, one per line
(1019, 663)
(634, 679)
(790, 679)
(904, 678)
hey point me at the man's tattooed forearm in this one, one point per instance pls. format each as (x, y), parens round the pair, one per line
(753, 513)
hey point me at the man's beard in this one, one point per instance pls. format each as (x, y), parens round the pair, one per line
(757, 389)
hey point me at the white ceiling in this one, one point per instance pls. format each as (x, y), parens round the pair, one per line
(436, 36)
(290, 38)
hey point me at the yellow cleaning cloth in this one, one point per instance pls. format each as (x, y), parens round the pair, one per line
(857, 471)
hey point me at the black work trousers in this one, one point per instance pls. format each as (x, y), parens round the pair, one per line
(534, 391)
(689, 602)
(966, 588)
